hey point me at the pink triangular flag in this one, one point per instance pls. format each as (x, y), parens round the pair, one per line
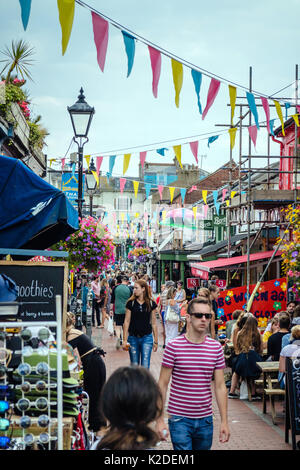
(205, 210)
(194, 149)
(100, 27)
(155, 58)
(63, 160)
(224, 191)
(253, 134)
(211, 96)
(267, 112)
(143, 158)
(193, 188)
(122, 184)
(99, 161)
(160, 190)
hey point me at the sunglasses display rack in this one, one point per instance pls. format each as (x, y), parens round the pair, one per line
(29, 415)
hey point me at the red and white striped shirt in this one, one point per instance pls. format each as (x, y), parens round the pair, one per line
(193, 366)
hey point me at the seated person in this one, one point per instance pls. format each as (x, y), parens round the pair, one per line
(295, 321)
(291, 350)
(274, 328)
(274, 342)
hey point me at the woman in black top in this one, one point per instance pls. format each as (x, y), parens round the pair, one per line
(139, 324)
(94, 372)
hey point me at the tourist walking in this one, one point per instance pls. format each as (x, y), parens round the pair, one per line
(172, 315)
(121, 295)
(191, 360)
(95, 286)
(140, 329)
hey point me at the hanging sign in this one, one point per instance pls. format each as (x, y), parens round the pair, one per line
(206, 224)
(192, 282)
(219, 220)
(69, 185)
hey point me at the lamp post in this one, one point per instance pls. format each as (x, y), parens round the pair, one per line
(81, 115)
(91, 184)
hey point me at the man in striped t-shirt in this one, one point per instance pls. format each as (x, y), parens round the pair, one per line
(191, 360)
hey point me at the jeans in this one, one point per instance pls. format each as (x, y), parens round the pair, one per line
(140, 350)
(191, 433)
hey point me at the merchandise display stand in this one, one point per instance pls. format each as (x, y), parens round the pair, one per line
(35, 372)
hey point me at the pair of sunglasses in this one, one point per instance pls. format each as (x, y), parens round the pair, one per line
(208, 316)
(43, 334)
(39, 386)
(40, 403)
(43, 438)
(43, 421)
(41, 368)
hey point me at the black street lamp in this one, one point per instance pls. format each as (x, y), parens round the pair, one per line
(91, 184)
(81, 117)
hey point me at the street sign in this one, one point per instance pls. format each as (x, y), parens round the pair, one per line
(192, 282)
(206, 224)
(219, 220)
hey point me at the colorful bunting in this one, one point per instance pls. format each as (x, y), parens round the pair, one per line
(160, 190)
(205, 210)
(171, 189)
(217, 206)
(99, 161)
(143, 158)
(126, 162)
(100, 28)
(177, 150)
(162, 151)
(272, 127)
(287, 106)
(224, 191)
(66, 9)
(212, 139)
(197, 78)
(148, 189)
(136, 187)
(232, 134)
(194, 149)
(129, 42)
(211, 96)
(195, 212)
(279, 113)
(266, 107)
(155, 58)
(252, 106)
(87, 159)
(25, 11)
(296, 119)
(122, 184)
(193, 188)
(177, 70)
(232, 96)
(204, 195)
(253, 134)
(183, 193)
(63, 161)
(112, 160)
(96, 177)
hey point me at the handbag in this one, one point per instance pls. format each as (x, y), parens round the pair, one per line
(172, 316)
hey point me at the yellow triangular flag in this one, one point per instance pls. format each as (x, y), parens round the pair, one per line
(195, 211)
(204, 195)
(136, 187)
(66, 10)
(171, 189)
(96, 177)
(177, 71)
(232, 194)
(177, 150)
(232, 96)
(227, 202)
(136, 215)
(164, 213)
(87, 159)
(232, 134)
(126, 162)
(52, 160)
(296, 119)
(122, 216)
(279, 113)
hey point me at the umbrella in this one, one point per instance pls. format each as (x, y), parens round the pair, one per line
(33, 214)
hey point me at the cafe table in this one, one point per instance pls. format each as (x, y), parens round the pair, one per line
(268, 368)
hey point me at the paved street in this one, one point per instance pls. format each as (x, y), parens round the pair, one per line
(250, 429)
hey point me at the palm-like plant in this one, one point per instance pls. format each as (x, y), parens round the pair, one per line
(18, 59)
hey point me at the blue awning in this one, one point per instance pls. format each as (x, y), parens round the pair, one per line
(33, 214)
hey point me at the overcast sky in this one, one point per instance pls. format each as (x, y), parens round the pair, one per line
(224, 38)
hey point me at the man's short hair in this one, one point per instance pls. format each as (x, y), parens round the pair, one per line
(296, 313)
(284, 321)
(125, 278)
(197, 301)
(291, 302)
(119, 279)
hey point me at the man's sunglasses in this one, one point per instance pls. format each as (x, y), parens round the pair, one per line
(201, 315)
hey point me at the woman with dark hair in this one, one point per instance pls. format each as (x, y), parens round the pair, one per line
(130, 401)
(139, 324)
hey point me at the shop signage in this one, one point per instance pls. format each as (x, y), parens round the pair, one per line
(269, 299)
(221, 283)
(219, 220)
(192, 283)
(38, 283)
(206, 224)
(69, 185)
(293, 396)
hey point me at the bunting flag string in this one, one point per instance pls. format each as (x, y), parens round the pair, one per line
(194, 149)
(232, 97)
(143, 158)
(126, 162)
(171, 189)
(212, 93)
(177, 71)
(267, 112)
(100, 28)
(96, 176)
(25, 12)
(232, 134)
(253, 134)
(160, 190)
(252, 106)
(177, 150)
(99, 161)
(279, 113)
(122, 184)
(136, 187)
(129, 42)
(197, 78)
(66, 9)
(296, 119)
(87, 159)
(155, 58)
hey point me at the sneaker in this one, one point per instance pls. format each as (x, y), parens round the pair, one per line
(256, 398)
(233, 395)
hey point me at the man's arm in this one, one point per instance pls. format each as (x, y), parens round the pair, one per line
(163, 383)
(221, 396)
(154, 329)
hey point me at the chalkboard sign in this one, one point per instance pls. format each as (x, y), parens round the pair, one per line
(38, 284)
(293, 396)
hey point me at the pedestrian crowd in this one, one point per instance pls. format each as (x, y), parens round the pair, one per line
(124, 408)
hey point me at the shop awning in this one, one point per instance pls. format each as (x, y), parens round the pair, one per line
(202, 269)
(214, 247)
(33, 214)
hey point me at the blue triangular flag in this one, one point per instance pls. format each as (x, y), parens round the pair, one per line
(215, 196)
(162, 151)
(287, 106)
(147, 189)
(112, 160)
(212, 139)
(183, 193)
(129, 42)
(25, 11)
(197, 77)
(217, 206)
(272, 126)
(252, 106)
